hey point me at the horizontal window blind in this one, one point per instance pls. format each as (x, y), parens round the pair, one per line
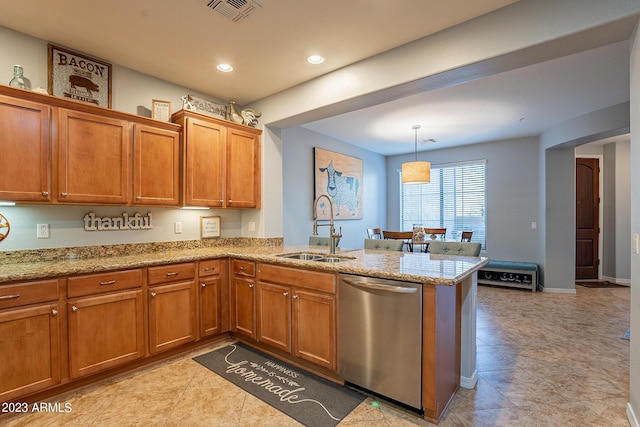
(455, 198)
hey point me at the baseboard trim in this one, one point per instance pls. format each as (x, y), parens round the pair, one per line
(469, 382)
(559, 290)
(626, 282)
(631, 416)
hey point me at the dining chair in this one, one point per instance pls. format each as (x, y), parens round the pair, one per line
(374, 233)
(466, 236)
(384, 245)
(405, 236)
(435, 233)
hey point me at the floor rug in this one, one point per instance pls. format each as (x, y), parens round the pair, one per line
(307, 398)
(599, 284)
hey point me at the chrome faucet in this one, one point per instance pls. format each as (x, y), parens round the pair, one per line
(332, 231)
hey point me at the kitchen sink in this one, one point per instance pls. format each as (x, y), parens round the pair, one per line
(304, 256)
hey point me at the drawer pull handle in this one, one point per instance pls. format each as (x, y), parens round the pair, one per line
(54, 312)
(45, 193)
(63, 194)
(207, 269)
(14, 296)
(153, 294)
(173, 273)
(108, 282)
(74, 308)
(285, 294)
(251, 285)
(243, 268)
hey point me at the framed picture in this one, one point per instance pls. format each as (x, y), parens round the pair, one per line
(75, 76)
(209, 227)
(160, 110)
(340, 177)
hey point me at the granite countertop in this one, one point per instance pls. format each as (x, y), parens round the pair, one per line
(413, 267)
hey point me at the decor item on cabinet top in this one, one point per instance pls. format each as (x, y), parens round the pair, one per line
(247, 116)
(160, 110)
(5, 227)
(202, 106)
(78, 77)
(339, 176)
(18, 77)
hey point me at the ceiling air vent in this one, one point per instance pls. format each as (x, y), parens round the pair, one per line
(234, 10)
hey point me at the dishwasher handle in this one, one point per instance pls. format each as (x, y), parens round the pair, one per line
(388, 288)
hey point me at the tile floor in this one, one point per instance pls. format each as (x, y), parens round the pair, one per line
(543, 360)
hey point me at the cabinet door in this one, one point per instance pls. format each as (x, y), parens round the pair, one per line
(243, 182)
(274, 315)
(104, 331)
(314, 328)
(30, 356)
(156, 166)
(210, 305)
(93, 159)
(204, 163)
(25, 161)
(243, 303)
(172, 315)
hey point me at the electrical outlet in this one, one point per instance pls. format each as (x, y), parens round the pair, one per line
(177, 227)
(42, 231)
(252, 226)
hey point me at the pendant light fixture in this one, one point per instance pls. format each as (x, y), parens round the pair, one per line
(416, 172)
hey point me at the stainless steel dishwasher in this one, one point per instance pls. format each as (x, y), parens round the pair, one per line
(381, 337)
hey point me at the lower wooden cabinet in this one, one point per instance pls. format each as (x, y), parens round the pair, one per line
(172, 306)
(296, 313)
(243, 298)
(213, 313)
(30, 356)
(104, 331)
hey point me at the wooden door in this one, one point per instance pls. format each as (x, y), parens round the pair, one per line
(210, 288)
(94, 157)
(587, 218)
(243, 182)
(25, 160)
(243, 303)
(104, 331)
(156, 166)
(204, 163)
(274, 315)
(314, 328)
(172, 315)
(30, 356)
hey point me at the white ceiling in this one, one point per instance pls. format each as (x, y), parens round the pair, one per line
(183, 41)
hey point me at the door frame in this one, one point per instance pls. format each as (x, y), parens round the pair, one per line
(600, 158)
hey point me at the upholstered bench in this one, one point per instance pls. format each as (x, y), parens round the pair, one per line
(514, 274)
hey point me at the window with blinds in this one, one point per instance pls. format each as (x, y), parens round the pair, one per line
(455, 198)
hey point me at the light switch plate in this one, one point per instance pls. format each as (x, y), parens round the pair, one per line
(177, 227)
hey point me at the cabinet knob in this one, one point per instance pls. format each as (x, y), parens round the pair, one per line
(138, 197)
(221, 201)
(203, 284)
(74, 308)
(230, 201)
(242, 268)
(285, 293)
(54, 312)
(295, 297)
(153, 294)
(63, 194)
(45, 193)
(251, 285)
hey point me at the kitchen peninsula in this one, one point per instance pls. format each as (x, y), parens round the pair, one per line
(63, 293)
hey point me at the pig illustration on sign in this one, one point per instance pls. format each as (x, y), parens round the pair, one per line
(83, 82)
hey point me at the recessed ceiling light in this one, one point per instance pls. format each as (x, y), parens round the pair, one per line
(224, 68)
(315, 59)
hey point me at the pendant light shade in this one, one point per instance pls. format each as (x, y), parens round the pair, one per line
(416, 172)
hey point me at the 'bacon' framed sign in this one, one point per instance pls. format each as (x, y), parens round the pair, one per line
(78, 77)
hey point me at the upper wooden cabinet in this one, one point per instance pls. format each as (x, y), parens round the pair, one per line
(221, 162)
(25, 162)
(156, 166)
(93, 158)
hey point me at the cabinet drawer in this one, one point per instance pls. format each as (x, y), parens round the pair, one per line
(28, 293)
(171, 273)
(104, 282)
(210, 268)
(325, 282)
(244, 268)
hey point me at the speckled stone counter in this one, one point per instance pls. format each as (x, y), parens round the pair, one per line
(413, 267)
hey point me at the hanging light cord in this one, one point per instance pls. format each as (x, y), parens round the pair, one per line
(415, 128)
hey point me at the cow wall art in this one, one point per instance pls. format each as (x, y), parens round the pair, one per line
(340, 177)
